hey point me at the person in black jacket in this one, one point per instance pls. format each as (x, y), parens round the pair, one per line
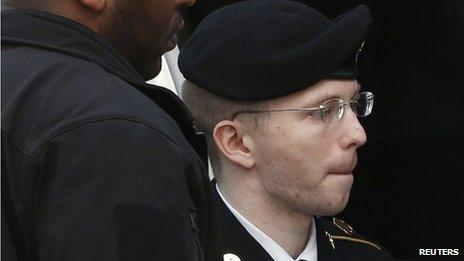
(272, 83)
(96, 164)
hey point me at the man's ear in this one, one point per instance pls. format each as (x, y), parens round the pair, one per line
(94, 5)
(231, 142)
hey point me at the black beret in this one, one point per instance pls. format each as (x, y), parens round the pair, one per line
(264, 49)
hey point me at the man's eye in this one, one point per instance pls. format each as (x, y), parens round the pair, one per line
(325, 111)
(314, 114)
(322, 113)
(330, 109)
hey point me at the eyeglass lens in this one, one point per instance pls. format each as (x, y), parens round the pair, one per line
(361, 105)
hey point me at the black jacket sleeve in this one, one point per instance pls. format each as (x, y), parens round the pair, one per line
(115, 190)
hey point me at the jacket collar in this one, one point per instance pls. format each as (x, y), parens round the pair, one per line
(58, 34)
(231, 237)
(325, 250)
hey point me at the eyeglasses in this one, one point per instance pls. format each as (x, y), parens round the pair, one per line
(332, 109)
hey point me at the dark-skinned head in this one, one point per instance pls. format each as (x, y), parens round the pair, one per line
(142, 31)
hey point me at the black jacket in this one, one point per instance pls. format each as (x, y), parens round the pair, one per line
(96, 164)
(231, 237)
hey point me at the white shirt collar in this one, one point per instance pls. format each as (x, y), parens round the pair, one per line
(271, 247)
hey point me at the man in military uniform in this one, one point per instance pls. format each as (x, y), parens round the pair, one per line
(273, 85)
(96, 164)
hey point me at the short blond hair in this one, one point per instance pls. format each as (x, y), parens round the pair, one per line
(209, 109)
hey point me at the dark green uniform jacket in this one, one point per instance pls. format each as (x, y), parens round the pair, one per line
(335, 240)
(96, 164)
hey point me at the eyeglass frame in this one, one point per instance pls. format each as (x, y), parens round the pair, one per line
(343, 104)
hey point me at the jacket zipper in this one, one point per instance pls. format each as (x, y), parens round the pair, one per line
(195, 230)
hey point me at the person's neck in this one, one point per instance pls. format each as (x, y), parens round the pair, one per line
(287, 228)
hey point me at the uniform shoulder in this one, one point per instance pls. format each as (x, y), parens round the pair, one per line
(341, 236)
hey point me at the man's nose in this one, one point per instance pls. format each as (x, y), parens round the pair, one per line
(353, 132)
(185, 3)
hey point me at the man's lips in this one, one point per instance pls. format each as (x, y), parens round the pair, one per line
(341, 172)
(345, 167)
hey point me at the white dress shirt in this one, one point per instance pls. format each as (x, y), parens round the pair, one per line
(271, 247)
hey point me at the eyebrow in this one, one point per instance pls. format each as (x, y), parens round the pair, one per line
(328, 96)
(317, 102)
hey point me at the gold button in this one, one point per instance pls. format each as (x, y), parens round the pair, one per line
(231, 257)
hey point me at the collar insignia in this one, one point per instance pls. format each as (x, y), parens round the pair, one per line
(343, 226)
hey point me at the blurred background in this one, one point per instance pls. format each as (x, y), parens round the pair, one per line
(409, 183)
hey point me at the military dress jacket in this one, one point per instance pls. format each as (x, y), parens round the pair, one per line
(336, 241)
(96, 164)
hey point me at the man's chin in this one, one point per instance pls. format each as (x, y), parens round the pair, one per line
(151, 71)
(330, 212)
(170, 44)
(334, 207)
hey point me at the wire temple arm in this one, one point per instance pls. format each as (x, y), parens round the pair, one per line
(235, 114)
